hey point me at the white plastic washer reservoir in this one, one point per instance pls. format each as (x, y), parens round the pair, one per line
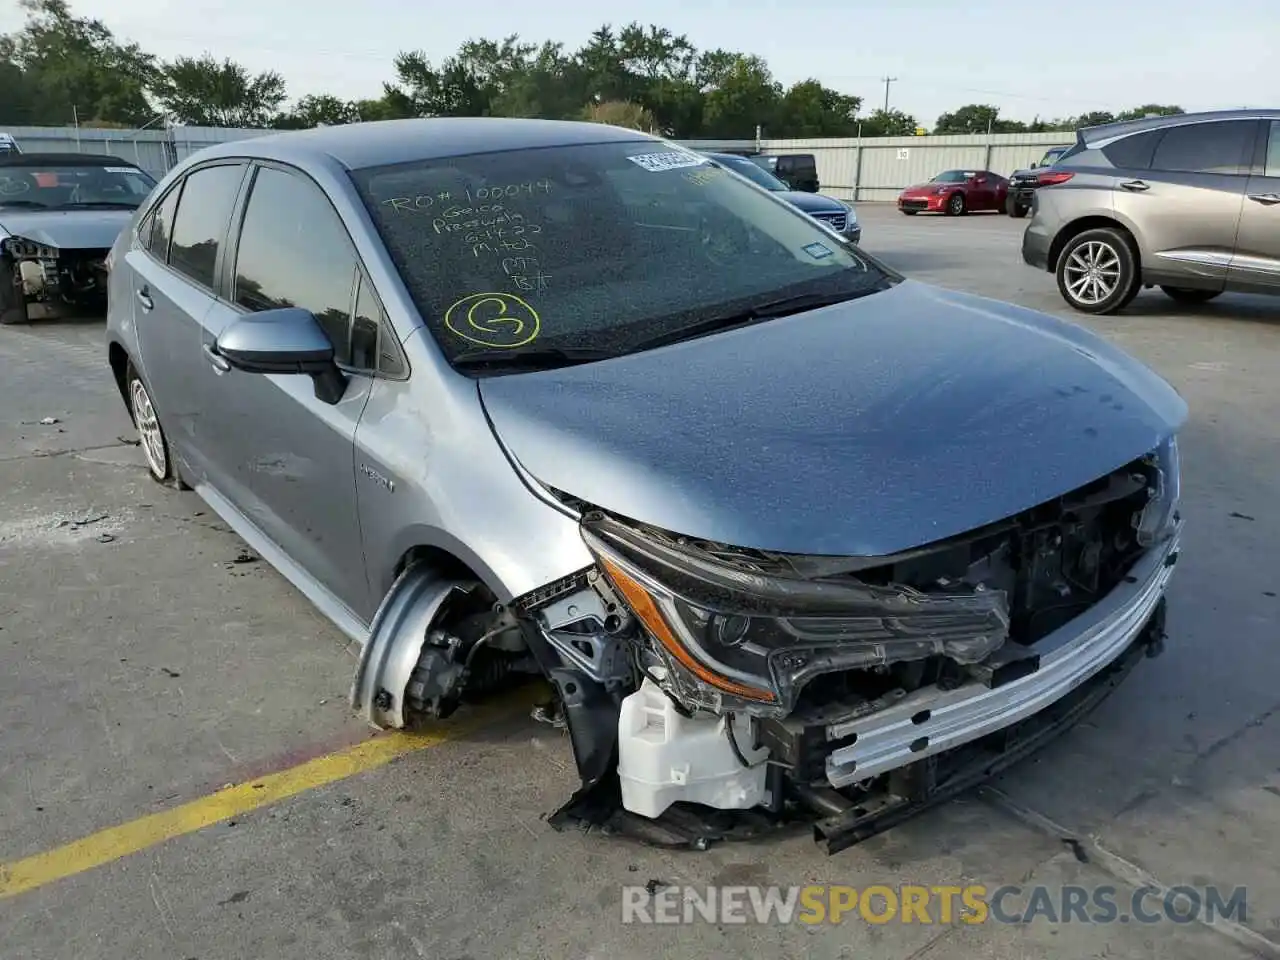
(664, 757)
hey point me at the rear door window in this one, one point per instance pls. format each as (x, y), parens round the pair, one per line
(295, 252)
(1218, 147)
(1135, 152)
(200, 225)
(160, 225)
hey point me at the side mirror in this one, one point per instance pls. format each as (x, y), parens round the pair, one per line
(284, 341)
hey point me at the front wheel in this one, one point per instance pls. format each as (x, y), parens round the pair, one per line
(13, 306)
(1015, 209)
(155, 446)
(1190, 295)
(909, 213)
(1097, 271)
(955, 205)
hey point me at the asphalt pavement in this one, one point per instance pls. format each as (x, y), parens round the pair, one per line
(181, 777)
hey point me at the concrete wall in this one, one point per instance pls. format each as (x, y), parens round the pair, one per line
(874, 168)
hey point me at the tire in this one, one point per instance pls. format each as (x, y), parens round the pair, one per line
(1097, 271)
(155, 446)
(1190, 295)
(1015, 209)
(909, 213)
(956, 205)
(13, 308)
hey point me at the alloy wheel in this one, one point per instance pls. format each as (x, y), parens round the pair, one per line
(1092, 272)
(149, 432)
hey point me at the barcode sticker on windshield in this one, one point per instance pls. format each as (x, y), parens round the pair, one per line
(672, 160)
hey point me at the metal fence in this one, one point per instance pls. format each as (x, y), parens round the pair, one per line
(156, 151)
(874, 168)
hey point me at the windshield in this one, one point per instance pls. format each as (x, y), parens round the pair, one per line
(953, 176)
(753, 172)
(62, 186)
(602, 248)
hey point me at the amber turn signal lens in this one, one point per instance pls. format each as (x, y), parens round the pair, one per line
(642, 605)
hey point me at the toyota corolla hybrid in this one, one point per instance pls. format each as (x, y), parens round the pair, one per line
(786, 532)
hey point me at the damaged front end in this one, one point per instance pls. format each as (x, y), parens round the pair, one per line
(47, 280)
(712, 691)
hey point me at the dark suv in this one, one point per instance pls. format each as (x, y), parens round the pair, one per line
(1188, 203)
(1023, 183)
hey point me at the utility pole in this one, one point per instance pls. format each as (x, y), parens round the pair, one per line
(887, 81)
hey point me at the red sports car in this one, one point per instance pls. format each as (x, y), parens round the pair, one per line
(955, 192)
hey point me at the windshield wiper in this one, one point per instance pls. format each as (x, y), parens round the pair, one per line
(97, 205)
(539, 358)
(22, 203)
(768, 310)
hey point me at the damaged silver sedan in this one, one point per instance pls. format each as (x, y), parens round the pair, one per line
(791, 536)
(59, 215)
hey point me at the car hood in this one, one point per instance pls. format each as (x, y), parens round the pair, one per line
(67, 229)
(922, 189)
(859, 429)
(812, 202)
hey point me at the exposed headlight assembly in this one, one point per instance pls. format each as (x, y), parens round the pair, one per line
(729, 637)
(23, 249)
(1160, 515)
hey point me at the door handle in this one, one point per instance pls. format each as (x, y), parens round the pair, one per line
(1136, 186)
(1266, 199)
(144, 298)
(219, 363)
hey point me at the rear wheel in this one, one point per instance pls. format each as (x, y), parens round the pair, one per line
(1191, 295)
(155, 446)
(1097, 271)
(13, 307)
(955, 205)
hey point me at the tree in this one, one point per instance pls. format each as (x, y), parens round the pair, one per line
(619, 113)
(73, 68)
(204, 92)
(313, 110)
(747, 95)
(1150, 109)
(809, 109)
(889, 123)
(977, 118)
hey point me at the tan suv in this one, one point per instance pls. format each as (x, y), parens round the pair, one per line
(1189, 203)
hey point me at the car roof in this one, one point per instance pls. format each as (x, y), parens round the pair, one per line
(66, 160)
(386, 142)
(1111, 131)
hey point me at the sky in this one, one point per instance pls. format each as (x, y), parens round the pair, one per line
(1027, 58)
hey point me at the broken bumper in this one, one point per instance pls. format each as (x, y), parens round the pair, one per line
(930, 721)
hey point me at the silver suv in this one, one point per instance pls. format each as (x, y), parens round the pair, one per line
(1188, 203)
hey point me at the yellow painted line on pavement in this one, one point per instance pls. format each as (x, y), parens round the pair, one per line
(120, 841)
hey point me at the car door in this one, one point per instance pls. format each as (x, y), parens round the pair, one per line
(172, 274)
(1186, 203)
(286, 459)
(1256, 264)
(981, 194)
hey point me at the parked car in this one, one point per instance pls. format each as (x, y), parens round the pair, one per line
(799, 171)
(955, 192)
(8, 145)
(1023, 183)
(838, 215)
(1189, 203)
(59, 215)
(779, 525)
